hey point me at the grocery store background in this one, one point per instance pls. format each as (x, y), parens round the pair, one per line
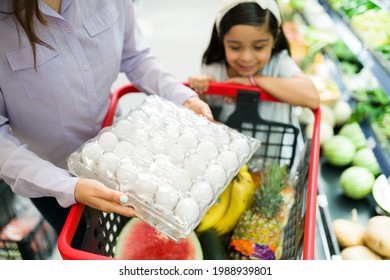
(178, 32)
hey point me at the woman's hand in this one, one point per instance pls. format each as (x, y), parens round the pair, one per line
(200, 83)
(96, 195)
(200, 107)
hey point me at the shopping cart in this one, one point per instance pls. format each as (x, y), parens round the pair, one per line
(102, 229)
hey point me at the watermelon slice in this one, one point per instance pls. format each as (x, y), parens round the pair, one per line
(140, 241)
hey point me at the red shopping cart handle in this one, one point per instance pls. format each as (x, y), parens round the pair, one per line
(223, 89)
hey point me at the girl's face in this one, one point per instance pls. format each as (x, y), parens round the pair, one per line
(248, 49)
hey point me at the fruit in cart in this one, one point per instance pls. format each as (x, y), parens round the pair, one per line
(140, 241)
(216, 211)
(354, 132)
(212, 245)
(381, 193)
(338, 150)
(366, 158)
(258, 233)
(357, 182)
(377, 236)
(349, 232)
(240, 198)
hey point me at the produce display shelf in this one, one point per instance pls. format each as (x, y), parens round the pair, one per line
(382, 157)
(384, 4)
(371, 61)
(374, 142)
(333, 204)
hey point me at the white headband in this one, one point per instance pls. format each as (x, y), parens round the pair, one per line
(227, 5)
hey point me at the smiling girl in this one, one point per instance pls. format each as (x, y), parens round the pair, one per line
(248, 47)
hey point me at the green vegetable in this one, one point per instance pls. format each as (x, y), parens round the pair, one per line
(338, 150)
(355, 134)
(357, 182)
(366, 158)
(212, 245)
(342, 112)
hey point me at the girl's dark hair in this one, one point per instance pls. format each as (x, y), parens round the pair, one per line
(24, 12)
(247, 14)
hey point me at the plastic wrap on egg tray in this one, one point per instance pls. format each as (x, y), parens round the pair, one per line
(172, 163)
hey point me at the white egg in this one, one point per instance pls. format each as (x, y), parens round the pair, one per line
(127, 173)
(176, 153)
(138, 117)
(215, 175)
(90, 153)
(124, 149)
(163, 167)
(228, 160)
(158, 143)
(240, 147)
(202, 193)
(169, 120)
(181, 180)
(188, 140)
(124, 129)
(142, 157)
(108, 140)
(155, 123)
(202, 121)
(145, 187)
(140, 136)
(187, 210)
(166, 197)
(172, 132)
(126, 187)
(195, 165)
(108, 164)
(207, 150)
(221, 137)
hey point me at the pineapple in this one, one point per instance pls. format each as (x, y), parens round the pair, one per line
(259, 231)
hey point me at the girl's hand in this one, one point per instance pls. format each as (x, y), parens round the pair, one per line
(200, 107)
(239, 80)
(235, 80)
(96, 195)
(200, 83)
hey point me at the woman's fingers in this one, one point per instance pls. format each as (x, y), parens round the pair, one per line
(97, 195)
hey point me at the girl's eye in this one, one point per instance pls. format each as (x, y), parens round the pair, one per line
(233, 48)
(259, 48)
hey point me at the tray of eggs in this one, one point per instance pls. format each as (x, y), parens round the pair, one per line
(172, 163)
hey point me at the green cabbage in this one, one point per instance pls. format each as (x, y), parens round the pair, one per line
(357, 182)
(338, 150)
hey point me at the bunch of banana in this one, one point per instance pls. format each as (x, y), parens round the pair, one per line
(242, 190)
(216, 212)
